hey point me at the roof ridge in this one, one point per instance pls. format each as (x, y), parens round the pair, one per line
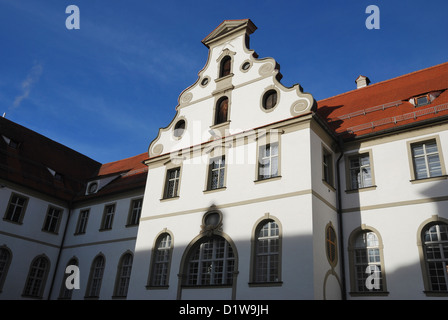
(124, 159)
(386, 81)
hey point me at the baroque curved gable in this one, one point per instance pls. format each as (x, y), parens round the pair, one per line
(250, 85)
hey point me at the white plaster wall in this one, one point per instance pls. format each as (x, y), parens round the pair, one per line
(26, 241)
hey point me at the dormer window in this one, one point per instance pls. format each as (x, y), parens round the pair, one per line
(225, 66)
(11, 143)
(422, 100)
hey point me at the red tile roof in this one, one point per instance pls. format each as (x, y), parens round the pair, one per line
(386, 105)
(29, 164)
(32, 163)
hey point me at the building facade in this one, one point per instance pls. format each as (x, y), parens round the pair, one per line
(253, 191)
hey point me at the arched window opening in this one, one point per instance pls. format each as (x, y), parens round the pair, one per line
(211, 262)
(267, 252)
(96, 277)
(435, 244)
(222, 108)
(37, 275)
(161, 261)
(367, 263)
(225, 66)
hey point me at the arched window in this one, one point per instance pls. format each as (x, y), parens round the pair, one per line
(225, 66)
(37, 276)
(123, 275)
(267, 252)
(435, 246)
(65, 292)
(366, 263)
(161, 261)
(5, 261)
(211, 261)
(96, 277)
(222, 108)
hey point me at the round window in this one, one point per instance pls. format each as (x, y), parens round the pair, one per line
(93, 187)
(179, 128)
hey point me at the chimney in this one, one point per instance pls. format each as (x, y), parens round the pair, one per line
(362, 81)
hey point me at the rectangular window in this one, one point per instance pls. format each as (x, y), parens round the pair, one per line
(82, 221)
(52, 220)
(426, 160)
(216, 173)
(134, 214)
(268, 161)
(108, 217)
(16, 208)
(327, 166)
(360, 171)
(172, 183)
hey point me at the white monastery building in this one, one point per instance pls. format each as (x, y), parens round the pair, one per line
(254, 191)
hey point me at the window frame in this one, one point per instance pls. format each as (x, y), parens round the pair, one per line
(64, 293)
(22, 208)
(270, 158)
(35, 280)
(264, 96)
(352, 263)
(223, 72)
(348, 171)
(222, 167)
(427, 224)
(134, 219)
(48, 225)
(81, 225)
(123, 276)
(228, 269)
(218, 106)
(412, 166)
(95, 277)
(106, 222)
(328, 168)
(155, 273)
(254, 268)
(329, 243)
(4, 265)
(175, 195)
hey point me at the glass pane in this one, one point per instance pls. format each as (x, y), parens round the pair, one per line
(420, 168)
(434, 165)
(431, 147)
(418, 149)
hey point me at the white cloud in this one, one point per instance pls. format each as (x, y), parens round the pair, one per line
(31, 78)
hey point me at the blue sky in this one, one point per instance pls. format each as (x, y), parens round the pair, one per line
(105, 89)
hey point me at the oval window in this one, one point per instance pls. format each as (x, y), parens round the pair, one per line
(179, 128)
(270, 99)
(246, 66)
